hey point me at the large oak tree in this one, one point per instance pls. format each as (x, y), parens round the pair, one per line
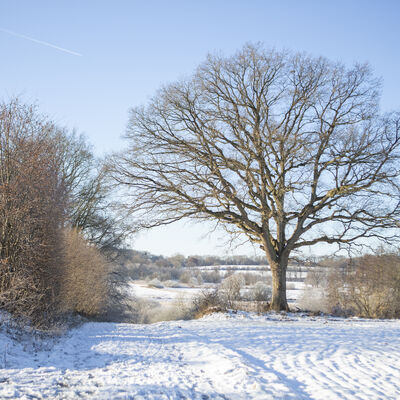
(288, 149)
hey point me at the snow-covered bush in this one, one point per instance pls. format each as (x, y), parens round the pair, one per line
(261, 292)
(230, 289)
(143, 310)
(314, 299)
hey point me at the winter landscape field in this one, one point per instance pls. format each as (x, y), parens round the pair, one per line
(199, 200)
(233, 355)
(221, 356)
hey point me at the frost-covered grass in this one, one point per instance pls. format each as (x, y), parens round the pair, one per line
(235, 356)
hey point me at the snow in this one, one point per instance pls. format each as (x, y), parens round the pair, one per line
(222, 356)
(143, 291)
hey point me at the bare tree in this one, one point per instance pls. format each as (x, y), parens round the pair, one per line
(89, 208)
(288, 149)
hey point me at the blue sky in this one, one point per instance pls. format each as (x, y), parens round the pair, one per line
(129, 48)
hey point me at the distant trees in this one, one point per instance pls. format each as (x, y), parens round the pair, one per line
(286, 149)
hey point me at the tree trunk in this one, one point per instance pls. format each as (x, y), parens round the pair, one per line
(279, 302)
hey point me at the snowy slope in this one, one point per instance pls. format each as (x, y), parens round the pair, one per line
(219, 357)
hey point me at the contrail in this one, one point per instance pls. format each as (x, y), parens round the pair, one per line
(41, 42)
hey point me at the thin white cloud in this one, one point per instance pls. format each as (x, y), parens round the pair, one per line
(74, 53)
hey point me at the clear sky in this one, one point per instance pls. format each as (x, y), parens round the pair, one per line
(87, 62)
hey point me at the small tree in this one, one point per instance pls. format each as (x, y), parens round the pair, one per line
(287, 149)
(89, 207)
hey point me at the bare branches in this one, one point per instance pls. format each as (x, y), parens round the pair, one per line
(32, 203)
(262, 140)
(287, 148)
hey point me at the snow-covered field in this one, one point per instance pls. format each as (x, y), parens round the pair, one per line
(141, 290)
(165, 295)
(237, 356)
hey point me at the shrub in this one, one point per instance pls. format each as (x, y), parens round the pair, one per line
(32, 200)
(172, 284)
(211, 276)
(369, 287)
(230, 289)
(261, 292)
(155, 283)
(251, 278)
(314, 299)
(85, 285)
(148, 311)
(143, 310)
(261, 295)
(207, 302)
(186, 277)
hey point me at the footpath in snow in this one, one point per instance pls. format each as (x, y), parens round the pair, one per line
(218, 357)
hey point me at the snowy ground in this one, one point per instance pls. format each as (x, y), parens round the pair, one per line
(165, 295)
(218, 357)
(141, 290)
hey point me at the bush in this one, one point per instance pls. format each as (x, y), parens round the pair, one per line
(261, 292)
(32, 201)
(261, 295)
(172, 284)
(251, 278)
(230, 289)
(143, 310)
(207, 302)
(44, 271)
(369, 287)
(148, 311)
(211, 276)
(85, 286)
(186, 277)
(155, 283)
(314, 299)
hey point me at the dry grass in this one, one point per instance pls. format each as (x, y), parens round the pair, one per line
(84, 279)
